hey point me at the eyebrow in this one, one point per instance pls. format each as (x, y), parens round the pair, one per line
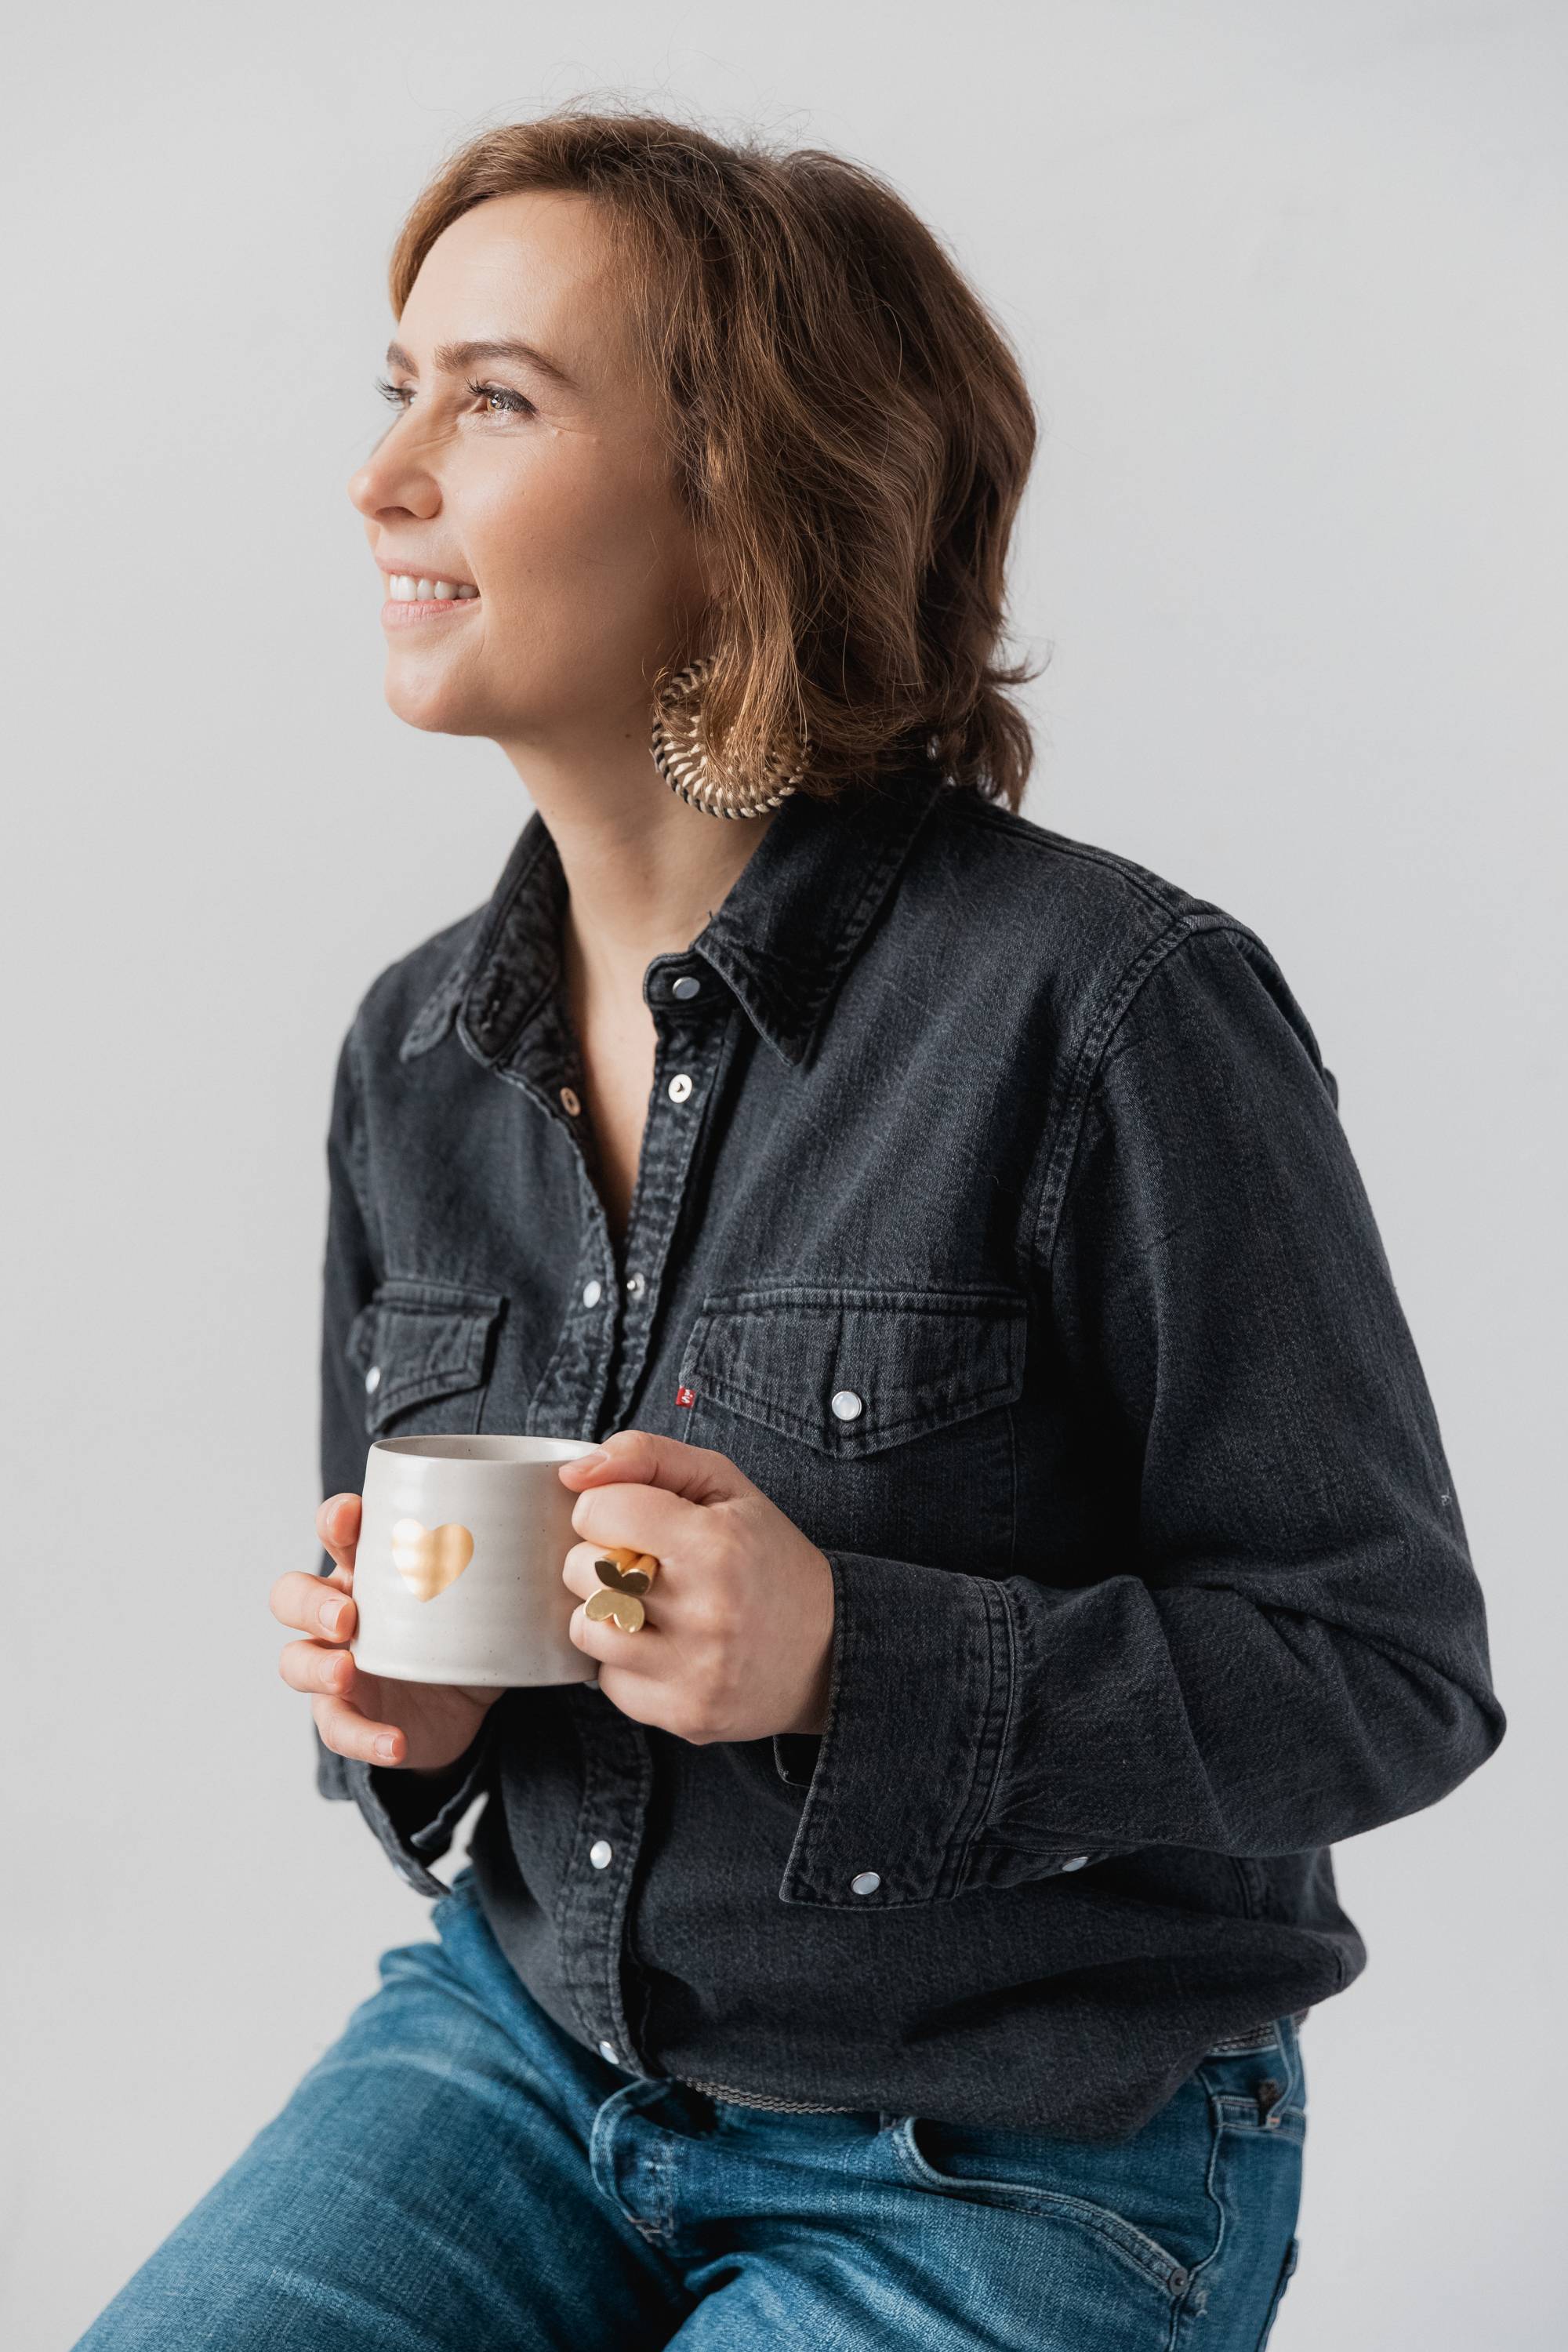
(452, 359)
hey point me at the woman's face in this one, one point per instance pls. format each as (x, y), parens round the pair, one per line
(547, 490)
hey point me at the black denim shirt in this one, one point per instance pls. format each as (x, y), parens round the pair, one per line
(1002, 1228)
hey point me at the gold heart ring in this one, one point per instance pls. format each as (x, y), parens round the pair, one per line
(625, 1575)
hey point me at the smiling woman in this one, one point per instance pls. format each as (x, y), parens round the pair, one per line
(696, 459)
(538, 485)
(947, 1228)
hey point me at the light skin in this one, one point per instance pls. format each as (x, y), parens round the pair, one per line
(553, 498)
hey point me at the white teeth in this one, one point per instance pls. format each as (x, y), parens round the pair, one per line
(403, 589)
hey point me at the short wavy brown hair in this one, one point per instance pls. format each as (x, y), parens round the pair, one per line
(848, 423)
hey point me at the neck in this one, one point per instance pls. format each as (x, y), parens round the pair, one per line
(644, 869)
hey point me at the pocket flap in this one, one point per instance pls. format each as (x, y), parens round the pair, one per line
(413, 1341)
(849, 1370)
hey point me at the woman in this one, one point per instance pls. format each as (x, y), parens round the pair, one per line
(906, 1939)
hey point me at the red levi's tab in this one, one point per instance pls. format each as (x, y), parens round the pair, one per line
(685, 1396)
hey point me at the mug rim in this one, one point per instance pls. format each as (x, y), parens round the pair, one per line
(442, 1447)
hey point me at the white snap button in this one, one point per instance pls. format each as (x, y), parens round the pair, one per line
(637, 1284)
(372, 1379)
(847, 1404)
(569, 1101)
(686, 987)
(600, 1853)
(866, 1882)
(592, 1293)
(607, 2050)
(679, 1086)
(1077, 1863)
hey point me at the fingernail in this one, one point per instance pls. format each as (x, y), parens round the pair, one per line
(331, 1615)
(384, 1747)
(590, 1461)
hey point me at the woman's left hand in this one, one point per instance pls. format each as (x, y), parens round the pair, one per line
(737, 1642)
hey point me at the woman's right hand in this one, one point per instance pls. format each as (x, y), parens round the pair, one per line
(426, 1726)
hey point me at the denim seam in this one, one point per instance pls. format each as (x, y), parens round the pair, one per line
(567, 1900)
(1158, 2266)
(998, 1618)
(828, 971)
(806, 1008)
(1194, 2295)
(359, 1158)
(391, 1841)
(1059, 1162)
(433, 1021)
(1249, 1880)
(397, 1393)
(616, 1954)
(986, 817)
(567, 1335)
(809, 1831)
(484, 955)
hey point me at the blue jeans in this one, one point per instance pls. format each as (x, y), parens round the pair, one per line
(456, 2172)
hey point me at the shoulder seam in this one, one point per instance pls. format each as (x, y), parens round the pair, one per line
(358, 1145)
(1060, 845)
(1066, 1133)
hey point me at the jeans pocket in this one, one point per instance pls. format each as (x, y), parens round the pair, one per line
(1260, 2088)
(1018, 2170)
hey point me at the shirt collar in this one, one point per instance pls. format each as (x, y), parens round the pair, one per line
(783, 938)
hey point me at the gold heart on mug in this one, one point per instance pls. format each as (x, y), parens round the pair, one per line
(430, 1558)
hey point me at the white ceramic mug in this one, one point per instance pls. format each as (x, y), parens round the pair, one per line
(457, 1567)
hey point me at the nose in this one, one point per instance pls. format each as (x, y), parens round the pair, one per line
(394, 480)
(391, 483)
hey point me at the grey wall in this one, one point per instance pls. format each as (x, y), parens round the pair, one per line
(1289, 283)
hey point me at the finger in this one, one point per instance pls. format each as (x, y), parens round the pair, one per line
(578, 1573)
(642, 1457)
(319, 1605)
(647, 1519)
(348, 1733)
(310, 1666)
(337, 1524)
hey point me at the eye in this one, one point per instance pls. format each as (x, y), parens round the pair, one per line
(512, 402)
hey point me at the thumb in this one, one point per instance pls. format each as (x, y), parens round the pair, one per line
(640, 1457)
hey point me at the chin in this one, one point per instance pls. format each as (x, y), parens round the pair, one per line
(438, 706)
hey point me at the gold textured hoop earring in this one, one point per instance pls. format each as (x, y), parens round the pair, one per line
(680, 754)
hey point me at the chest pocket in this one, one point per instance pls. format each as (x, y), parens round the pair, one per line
(879, 1420)
(423, 1352)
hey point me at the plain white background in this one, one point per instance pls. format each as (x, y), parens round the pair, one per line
(1288, 282)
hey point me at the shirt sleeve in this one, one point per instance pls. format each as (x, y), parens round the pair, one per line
(1290, 1646)
(412, 1815)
